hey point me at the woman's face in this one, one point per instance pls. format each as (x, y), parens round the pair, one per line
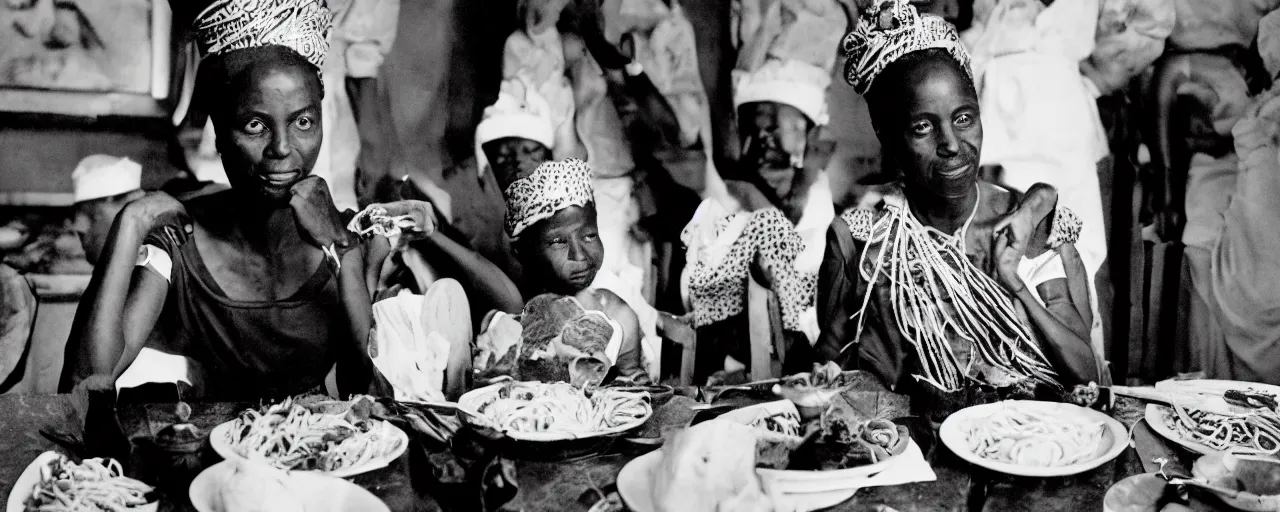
(774, 137)
(270, 136)
(564, 251)
(512, 158)
(934, 132)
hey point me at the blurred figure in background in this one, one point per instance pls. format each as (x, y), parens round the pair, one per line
(104, 185)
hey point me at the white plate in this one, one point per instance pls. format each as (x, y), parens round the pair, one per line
(220, 439)
(25, 486)
(797, 481)
(1156, 415)
(635, 483)
(1114, 438)
(319, 493)
(470, 404)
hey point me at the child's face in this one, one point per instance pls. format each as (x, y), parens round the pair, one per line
(565, 251)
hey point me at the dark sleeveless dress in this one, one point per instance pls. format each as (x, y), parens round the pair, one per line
(250, 350)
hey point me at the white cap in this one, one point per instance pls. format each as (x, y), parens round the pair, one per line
(790, 82)
(99, 176)
(519, 112)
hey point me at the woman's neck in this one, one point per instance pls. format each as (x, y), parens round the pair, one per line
(267, 226)
(946, 214)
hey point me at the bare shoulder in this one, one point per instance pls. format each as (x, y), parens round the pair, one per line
(614, 306)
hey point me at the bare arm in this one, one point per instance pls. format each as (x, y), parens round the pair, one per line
(1066, 334)
(630, 362)
(120, 307)
(494, 290)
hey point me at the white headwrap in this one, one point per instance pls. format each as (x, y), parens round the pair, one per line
(301, 25)
(790, 82)
(99, 176)
(801, 53)
(519, 112)
(554, 186)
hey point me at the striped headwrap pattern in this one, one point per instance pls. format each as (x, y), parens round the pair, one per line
(300, 25)
(890, 29)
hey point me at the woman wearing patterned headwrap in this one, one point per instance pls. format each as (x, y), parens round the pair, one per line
(262, 286)
(951, 281)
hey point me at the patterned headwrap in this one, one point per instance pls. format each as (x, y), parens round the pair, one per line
(554, 186)
(300, 25)
(889, 29)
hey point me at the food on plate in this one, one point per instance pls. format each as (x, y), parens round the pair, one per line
(784, 423)
(252, 486)
(840, 442)
(561, 407)
(1254, 433)
(710, 467)
(311, 434)
(1252, 399)
(814, 389)
(1031, 438)
(1242, 482)
(92, 485)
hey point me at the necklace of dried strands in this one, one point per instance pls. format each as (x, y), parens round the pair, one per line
(925, 268)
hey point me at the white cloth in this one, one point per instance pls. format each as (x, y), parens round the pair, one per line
(410, 355)
(154, 366)
(99, 176)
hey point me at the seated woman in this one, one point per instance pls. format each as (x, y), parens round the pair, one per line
(551, 218)
(262, 285)
(773, 231)
(952, 282)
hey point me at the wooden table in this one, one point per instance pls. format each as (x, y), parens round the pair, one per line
(574, 486)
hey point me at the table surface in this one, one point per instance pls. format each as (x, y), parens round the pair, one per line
(576, 485)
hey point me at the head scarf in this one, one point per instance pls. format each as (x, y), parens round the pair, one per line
(799, 58)
(99, 176)
(554, 186)
(890, 29)
(519, 112)
(300, 25)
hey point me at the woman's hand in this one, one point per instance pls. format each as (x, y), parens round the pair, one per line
(157, 209)
(318, 219)
(1012, 234)
(416, 219)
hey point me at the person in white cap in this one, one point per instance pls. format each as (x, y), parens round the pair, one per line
(103, 185)
(777, 230)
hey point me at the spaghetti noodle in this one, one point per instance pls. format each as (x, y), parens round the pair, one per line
(290, 436)
(92, 485)
(1030, 438)
(1255, 433)
(561, 407)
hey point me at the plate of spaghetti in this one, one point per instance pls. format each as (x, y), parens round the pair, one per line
(53, 483)
(537, 411)
(1254, 433)
(1031, 438)
(333, 438)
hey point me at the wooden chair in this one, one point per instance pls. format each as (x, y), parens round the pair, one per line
(765, 328)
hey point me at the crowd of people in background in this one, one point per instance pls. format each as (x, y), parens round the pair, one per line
(979, 254)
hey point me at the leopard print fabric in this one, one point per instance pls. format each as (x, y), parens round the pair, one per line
(554, 186)
(860, 221)
(1066, 225)
(720, 292)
